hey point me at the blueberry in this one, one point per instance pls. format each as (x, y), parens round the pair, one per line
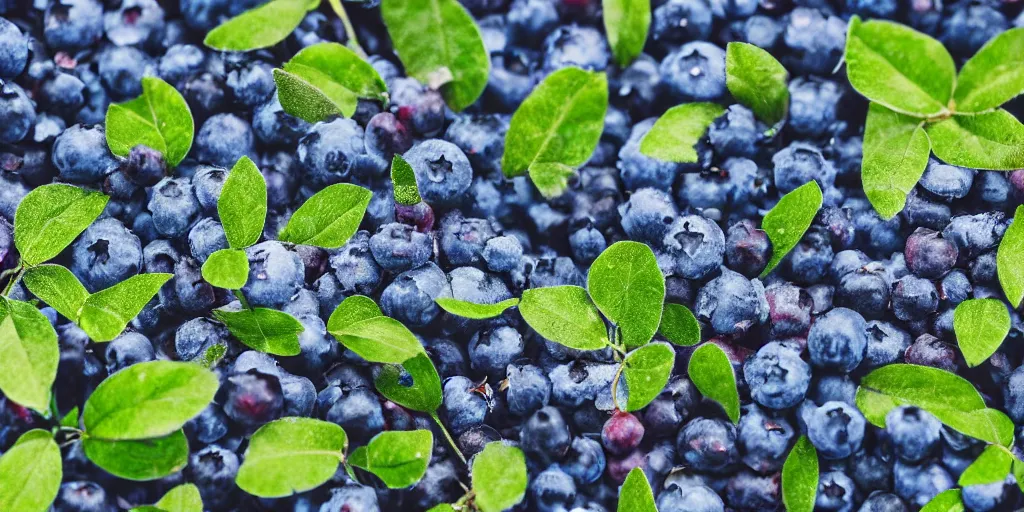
(80, 154)
(808, 262)
(273, 126)
(128, 349)
(144, 166)
(971, 25)
(697, 246)
(213, 471)
(481, 138)
(914, 432)
(492, 350)
(174, 206)
(975, 234)
(985, 497)
(763, 439)
(251, 83)
(813, 105)
(354, 266)
(252, 399)
(800, 163)
(919, 484)
(474, 285)
(545, 435)
(358, 411)
(761, 31)
(502, 253)
(678, 21)
(417, 106)
(386, 136)
(275, 274)
(789, 310)
(223, 139)
(886, 344)
(410, 297)
(835, 492)
(586, 242)
(585, 461)
(883, 502)
(122, 68)
(464, 408)
(735, 133)
(913, 298)
(399, 247)
(708, 445)
(205, 238)
(732, 303)
(552, 490)
(134, 22)
(82, 496)
(697, 498)
(838, 340)
(747, 248)
(352, 497)
(209, 427)
(638, 170)
(836, 429)
(816, 42)
(105, 254)
(73, 24)
(777, 377)
(927, 350)
(695, 71)
(443, 172)
(947, 181)
(13, 49)
(575, 45)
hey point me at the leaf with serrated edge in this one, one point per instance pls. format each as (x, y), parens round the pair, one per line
(291, 455)
(627, 285)
(626, 22)
(679, 325)
(980, 325)
(29, 355)
(712, 373)
(564, 315)
(757, 80)
(329, 218)
(159, 119)
(398, 458)
(423, 395)
(647, 370)
(148, 399)
(379, 340)
(58, 288)
(50, 217)
(946, 501)
(1010, 260)
(499, 477)
(475, 311)
(227, 268)
(242, 205)
(339, 74)
(800, 477)
(30, 473)
(403, 180)
(994, 75)
(896, 151)
(261, 27)
(789, 219)
(993, 141)
(107, 312)
(675, 134)
(140, 460)
(636, 495)
(267, 330)
(993, 465)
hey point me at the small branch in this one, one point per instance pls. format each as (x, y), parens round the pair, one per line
(17, 277)
(449, 437)
(241, 299)
(615, 386)
(353, 41)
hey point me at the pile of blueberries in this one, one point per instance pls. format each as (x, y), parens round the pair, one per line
(863, 291)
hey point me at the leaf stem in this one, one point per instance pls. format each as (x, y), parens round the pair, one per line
(241, 299)
(448, 436)
(353, 41)
(615, 386)
(19, 272)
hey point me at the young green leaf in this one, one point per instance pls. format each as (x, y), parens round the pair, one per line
(107, 312)
(992, 76)
(677, 131)
(559, 122)
(243, 204)
(261, 27)
(980, 325)
(475, 311)
(71, 418)
(337, 74)
(993, 465)
(994, 141)
(291, 455)
(227, 268)
(149, 399)
(50, 217)
(636, 495)
(159, 119)
(140, 460)
(899, 67)
(647, 370)
(800, 477)
(267, 330)
(896, 150)
(1018, 472)
(379, 340)
(499, 477)
(58, 288)
(403, 178)
(712, 373)
(300, 99)
(183, 498)
(627, 285)
(28, 354)
(787, 222)
(626, 22)
(440, 45)
(757, 80)
(946, 501)
(30, 473)
(398, 458)
(329, 218)
(424, 394)
(679, 326)
(1010, 260)
(564, 315)
(351, 310)
(443, 507)
(212, 355)
(551, 178)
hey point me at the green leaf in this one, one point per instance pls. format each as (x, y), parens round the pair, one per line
(627, 285)
(896, 150)
(29, 355)
(30, 473)
(499, 477)
(58, 288)
(440, 45)
(679, 326)
(149, 399)
(899, 67)
(677, 131)
(757, 81)
(140, 460)
(212, 355)
(443, 507)
(291, 455)
(243, 204)
(626, 22)
(107, 312)
(980, 325)
(71, 418)
(946, 501)
(551, 178)
(159, 119)
(424, 394)
(261, 27)
(564, 315)
(636, 495)
(351, 310)
(789, 219)
(647, 370)
(403, 178)
(712, 373)
(398, 458)
(50, 217)
(329, 218)
(227, 268)
(267, 330)
(337, 74)
(300, 99)
(994, 141)
(379, 340)
(1018, 472)
(183, 498)
(559, 122)
(1010, 260)
(993, 465)
(994, 75)
(475, 311)
(800, 477)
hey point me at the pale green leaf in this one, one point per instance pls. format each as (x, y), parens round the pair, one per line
(351, 310)
(757, 80)
(58, 288)
(212, 355)
(148, 399)
(994, 75)
(550, 178)
(946, 501)
(564, 315)
(1010, 260)
(899, 67)
(994, 141)
(712, 373)
(475, 311)
(227, 268)
(140, 460)
(71, 418)
(398, 458)
(301, 99)
(267, 330)
(29, 355)
(626, 22)
(499, 477)
(329, 218)
(787, 222)
(443, 507)
(50, 217)
(107, 312)
(338, 74)
(896, 150)
(159, 119)
(422, 394)
(647, 370)
(1018, 473)
(636, 495)
(183, 498)
(980, 325)
(440, 45)
(379, 340)
(679, 325)
(800, 477)
(403, 179)
(993, 465)
(243, 204)
(627, 285)
(261, 27)
(30, 473)
(675, 134)
(291, 455)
